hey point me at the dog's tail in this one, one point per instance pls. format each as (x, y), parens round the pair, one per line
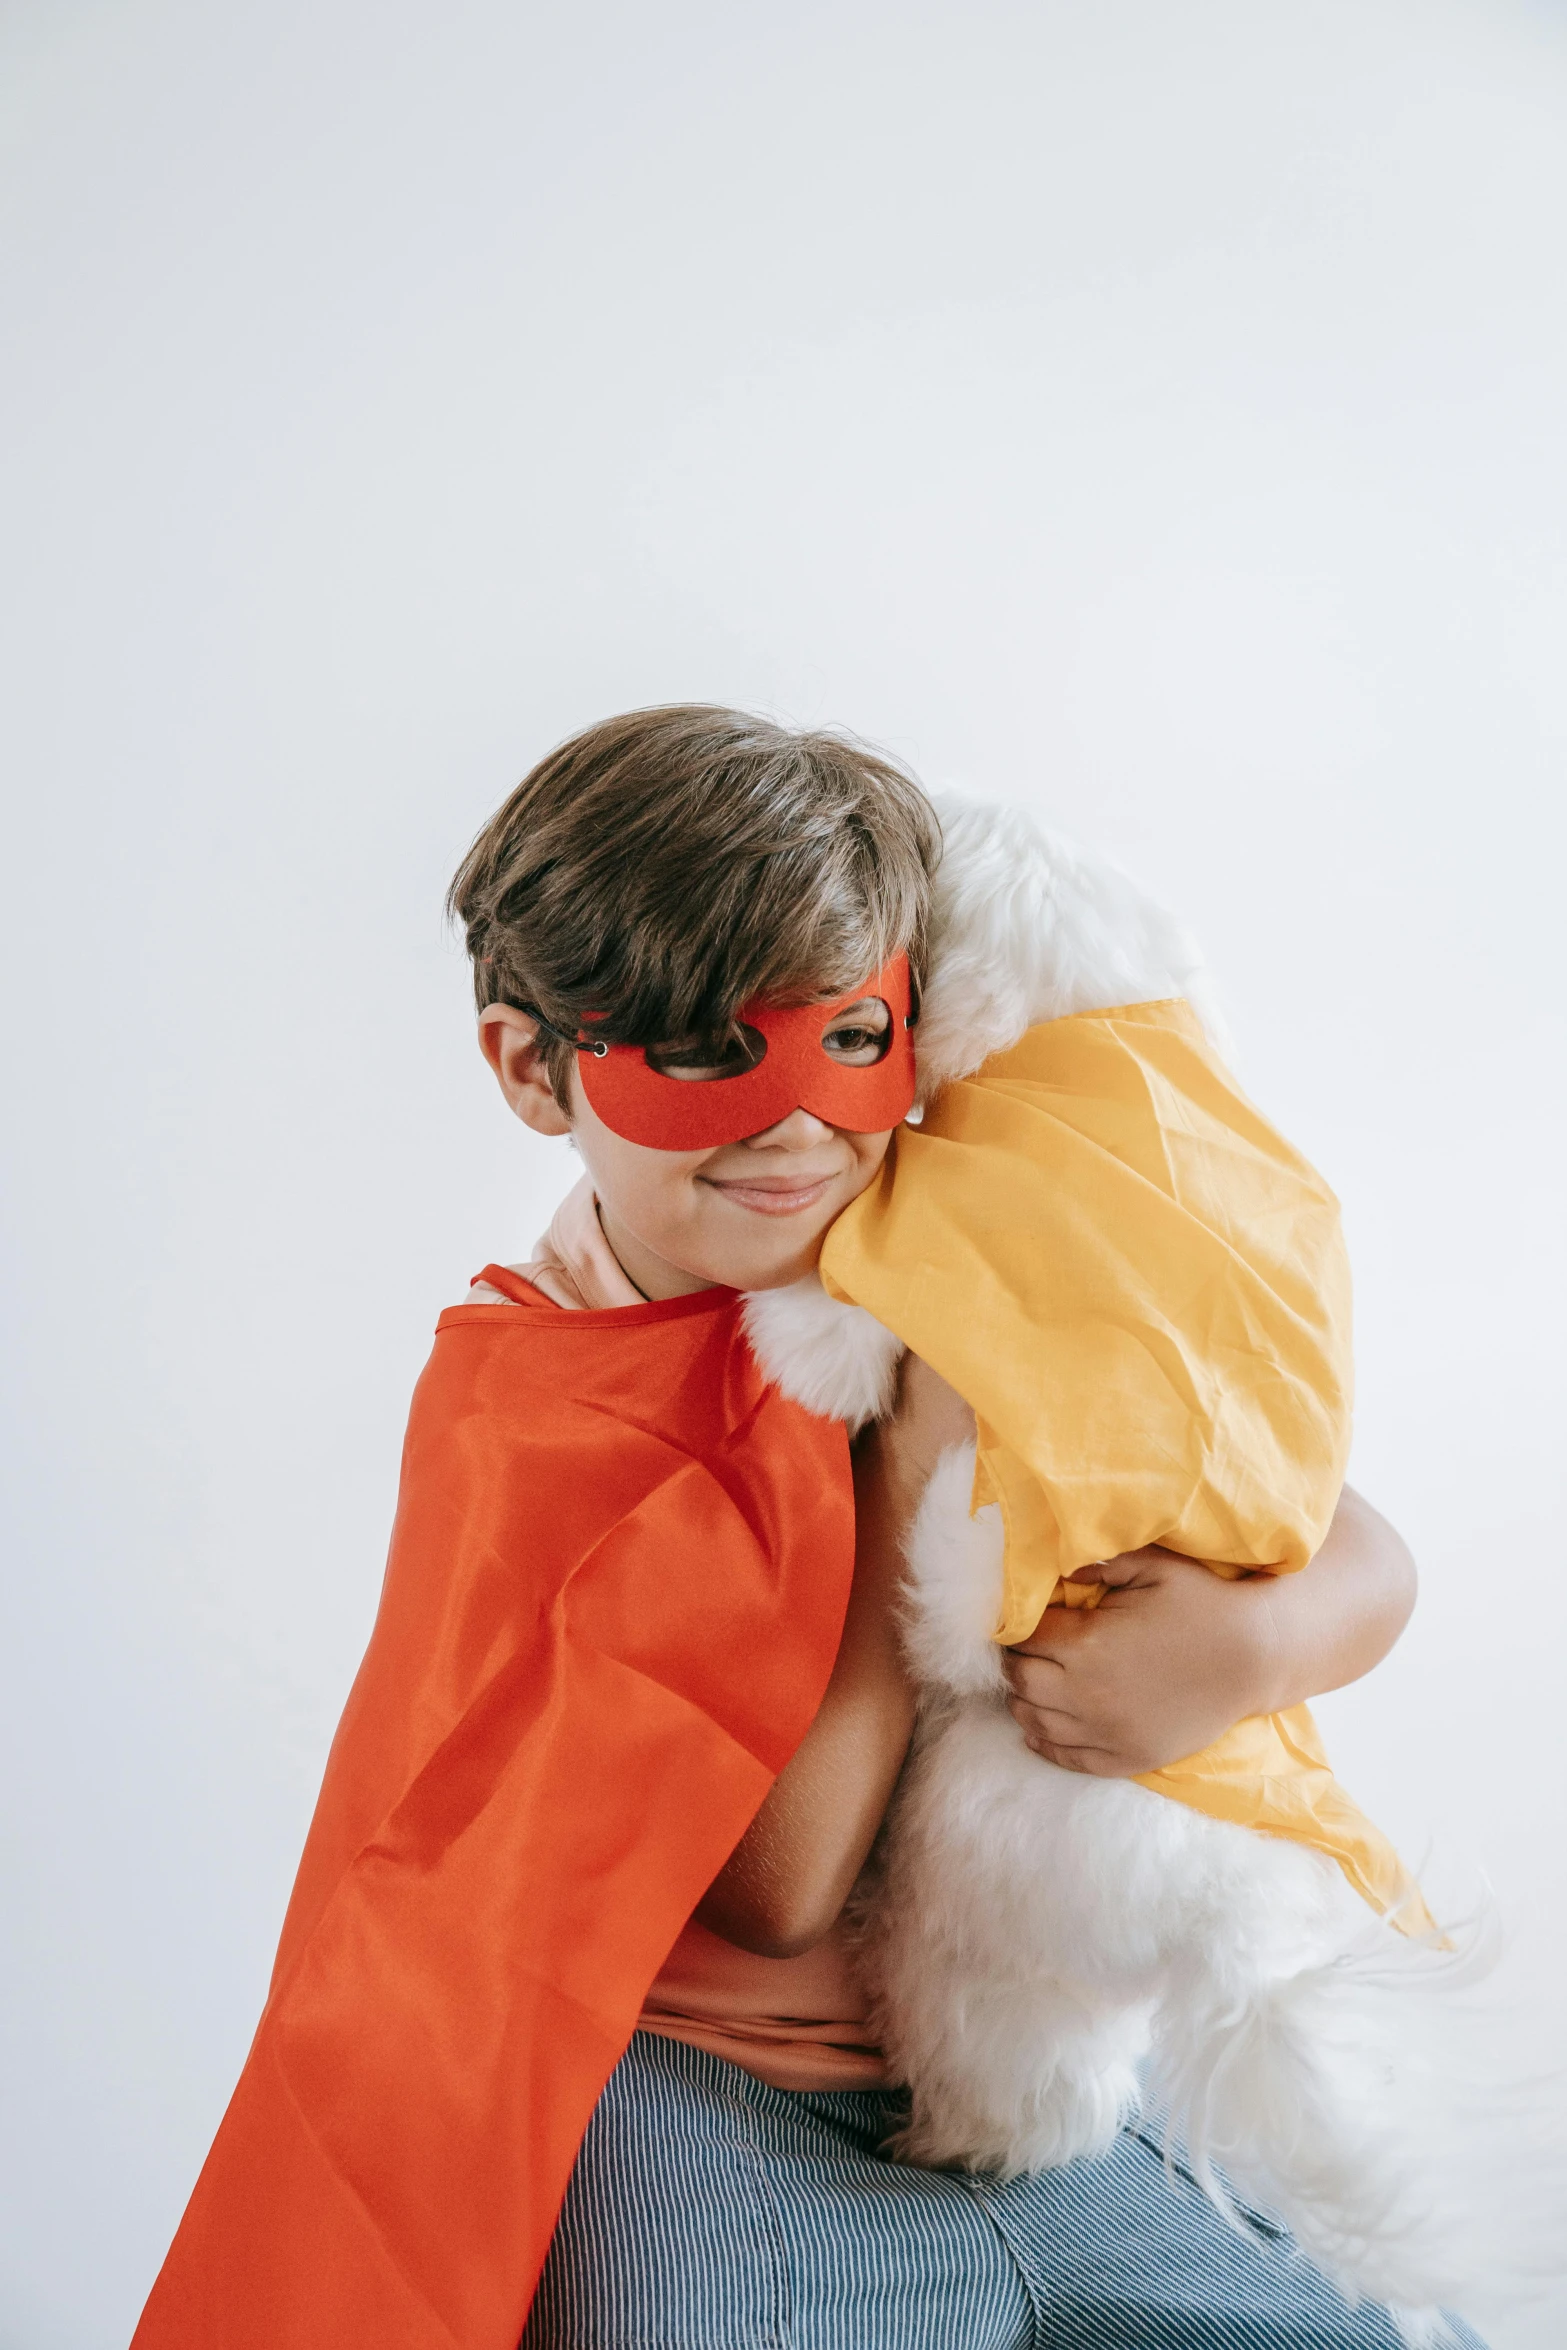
(1362, 2100)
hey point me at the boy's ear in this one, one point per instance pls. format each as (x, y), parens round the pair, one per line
(508, 1040)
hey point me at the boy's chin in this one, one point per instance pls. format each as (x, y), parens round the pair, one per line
(778, 1269)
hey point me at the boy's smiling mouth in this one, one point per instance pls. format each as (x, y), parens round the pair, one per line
(773, 1195)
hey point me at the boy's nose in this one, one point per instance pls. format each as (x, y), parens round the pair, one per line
(797, 1132)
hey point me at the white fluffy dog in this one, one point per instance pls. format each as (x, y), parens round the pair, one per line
(1046, 1952)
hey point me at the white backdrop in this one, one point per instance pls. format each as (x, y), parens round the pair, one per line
(1150, 413)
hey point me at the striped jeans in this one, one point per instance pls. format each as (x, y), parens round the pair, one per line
(710, 2212)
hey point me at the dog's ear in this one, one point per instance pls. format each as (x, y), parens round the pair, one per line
(1026, 926)
(836, 1359)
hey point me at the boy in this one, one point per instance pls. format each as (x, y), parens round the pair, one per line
(634, 1704)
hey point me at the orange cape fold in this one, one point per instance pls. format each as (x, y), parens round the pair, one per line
(617, 1581)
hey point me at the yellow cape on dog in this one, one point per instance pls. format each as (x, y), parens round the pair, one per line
(1143, 1292)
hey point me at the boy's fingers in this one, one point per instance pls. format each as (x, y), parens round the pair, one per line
(1132, 1566)
(1031, 1668)
(1041, 1678)
(1055, 1635)
(1045, 1721)
(1094, 1762)
(1035, 1680)
(1060, 1628)
(1075, 1742)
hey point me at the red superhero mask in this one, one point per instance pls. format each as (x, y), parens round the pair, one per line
(791, 1069)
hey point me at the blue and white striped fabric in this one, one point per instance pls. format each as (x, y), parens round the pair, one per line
(709, 2212)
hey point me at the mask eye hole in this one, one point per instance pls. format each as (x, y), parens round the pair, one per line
(860, 1035)
(701, 1059)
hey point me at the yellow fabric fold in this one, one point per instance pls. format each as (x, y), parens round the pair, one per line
(1272, 1773)
(1143, 1292)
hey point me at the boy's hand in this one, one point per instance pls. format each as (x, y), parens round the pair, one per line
(1171, 1657)
(1174, 1654)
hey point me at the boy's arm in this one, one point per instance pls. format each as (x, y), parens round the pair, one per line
(1174, 1654)
(783, 1887)
(1170, 1659)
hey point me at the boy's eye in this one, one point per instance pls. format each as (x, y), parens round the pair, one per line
(856, 1038)
(699, 1058)
(859, 1037)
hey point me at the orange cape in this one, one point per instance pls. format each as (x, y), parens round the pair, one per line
(617, 1581)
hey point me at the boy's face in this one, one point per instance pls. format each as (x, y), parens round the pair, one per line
(748, 1215)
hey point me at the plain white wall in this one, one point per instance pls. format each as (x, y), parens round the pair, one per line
(1150, 413)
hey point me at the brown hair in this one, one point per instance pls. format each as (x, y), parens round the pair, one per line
(658, 870)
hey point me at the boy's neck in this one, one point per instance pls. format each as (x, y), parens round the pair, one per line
(643, 1267)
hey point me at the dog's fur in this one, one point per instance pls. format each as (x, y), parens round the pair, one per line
(1047, 1953)
(1025, 927)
